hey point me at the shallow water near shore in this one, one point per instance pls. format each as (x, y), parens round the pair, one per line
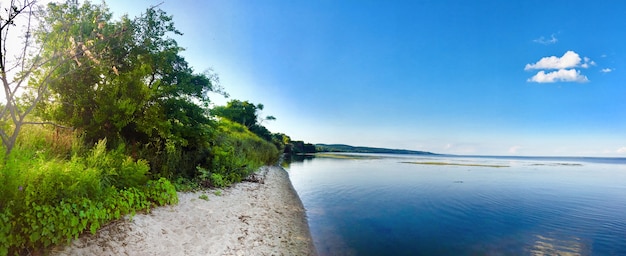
(412, 205)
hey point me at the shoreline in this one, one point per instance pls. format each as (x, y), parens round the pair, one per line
(264, 218)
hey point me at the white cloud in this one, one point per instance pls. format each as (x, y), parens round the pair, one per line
(543, 40)
(606, 70)
(569, 60)
(621, 150)
(564, 66)
(561, 75)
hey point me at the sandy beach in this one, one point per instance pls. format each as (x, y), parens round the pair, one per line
(249, 218)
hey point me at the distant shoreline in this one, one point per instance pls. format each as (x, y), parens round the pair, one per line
(341, 148)
(264, 218)
(583, 159)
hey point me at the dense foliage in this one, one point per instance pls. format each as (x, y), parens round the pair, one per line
(120, 114)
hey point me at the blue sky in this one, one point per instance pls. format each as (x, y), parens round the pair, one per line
(459, 77)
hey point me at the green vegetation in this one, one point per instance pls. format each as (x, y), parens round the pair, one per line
(112, 120)
(130, 86)
(247, 114)
(238, 153)
(48, 199)
(457, 164)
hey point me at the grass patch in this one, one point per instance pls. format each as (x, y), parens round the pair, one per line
(457, 164)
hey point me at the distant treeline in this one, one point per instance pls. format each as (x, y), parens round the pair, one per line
(353, 149)
(300, 147)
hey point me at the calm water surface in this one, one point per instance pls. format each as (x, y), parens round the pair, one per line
(385, 206)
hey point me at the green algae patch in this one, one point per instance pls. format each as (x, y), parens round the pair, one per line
(558, 164)
(345, 156)
(458, 164)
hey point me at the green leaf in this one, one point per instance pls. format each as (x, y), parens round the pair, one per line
(34, 237)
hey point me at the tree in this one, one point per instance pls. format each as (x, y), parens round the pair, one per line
(86, 81)
(17, 67)
(137, 90)
(137, 83)
(47, 48)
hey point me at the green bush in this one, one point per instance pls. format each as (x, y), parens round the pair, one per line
(47, 199)
(161, 192)
(118, 169)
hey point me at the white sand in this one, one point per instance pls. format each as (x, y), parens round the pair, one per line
(247, 219)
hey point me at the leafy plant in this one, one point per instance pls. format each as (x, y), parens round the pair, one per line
(49, 200)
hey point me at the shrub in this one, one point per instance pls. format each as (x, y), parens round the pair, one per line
(161, 192)
(118, 169)
(48, 199)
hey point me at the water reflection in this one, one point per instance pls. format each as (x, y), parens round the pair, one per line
(287, 160)
(552, 246)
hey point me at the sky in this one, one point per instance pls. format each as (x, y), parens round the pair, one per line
(531, 78)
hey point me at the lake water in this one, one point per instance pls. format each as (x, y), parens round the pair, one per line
(533, 206)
